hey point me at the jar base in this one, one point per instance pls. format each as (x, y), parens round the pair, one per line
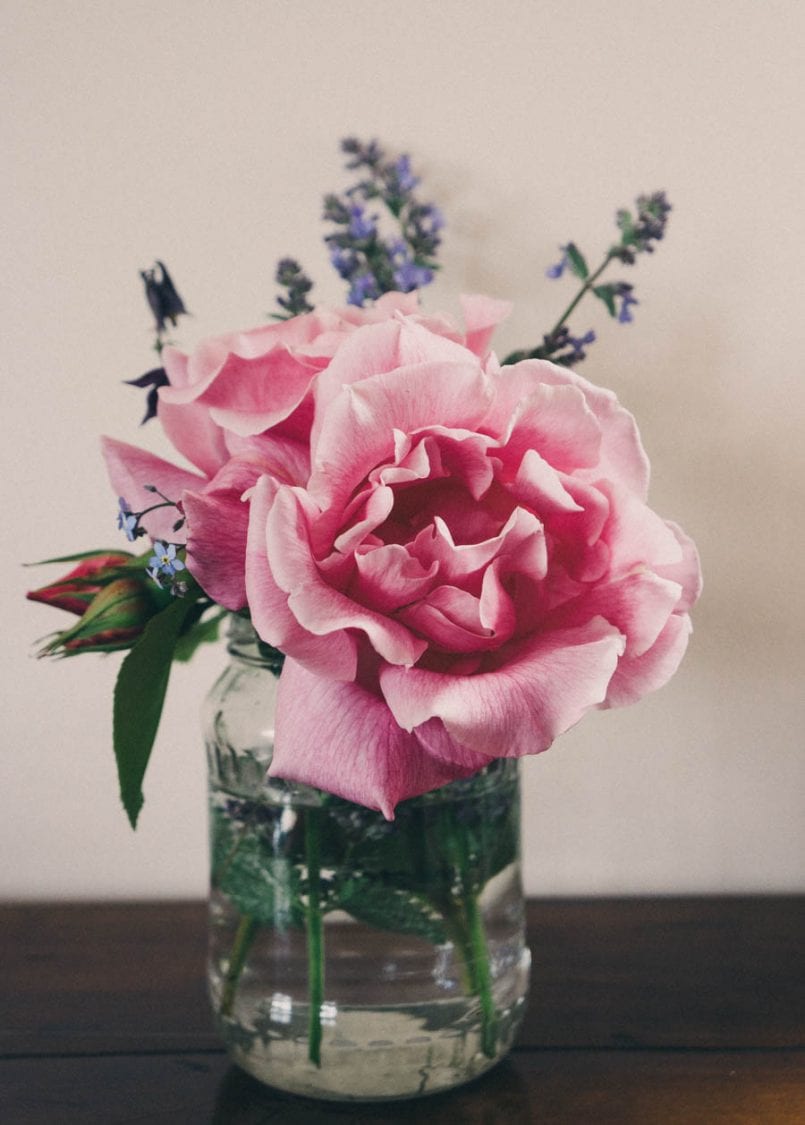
(374, 1054)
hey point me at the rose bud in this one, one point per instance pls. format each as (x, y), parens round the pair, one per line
(76, 589)
(114, 619)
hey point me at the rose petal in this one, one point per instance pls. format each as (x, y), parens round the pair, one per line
(521, 707)
(636, 535)
(636, 677)
(130, 469)
(687, 572)
(388, 577)
(318, 607)
(357, 432)
(638, 605)
(342, 738)
(558, 424)
(482, 315)
(621, 456)
(334, 655)
(217, 526)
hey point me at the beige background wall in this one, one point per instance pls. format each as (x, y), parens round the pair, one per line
(206, 134)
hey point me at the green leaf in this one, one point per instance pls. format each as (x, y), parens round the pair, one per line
(373, 901)
(139, 694)
(258, 883)
(626, 226)
(576, 260)
(606, 293)
(81, 556)
(199, 633)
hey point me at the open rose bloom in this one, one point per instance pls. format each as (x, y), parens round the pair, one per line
(457, 558)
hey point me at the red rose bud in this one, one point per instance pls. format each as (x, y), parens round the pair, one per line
(114, 619)
(76, 590)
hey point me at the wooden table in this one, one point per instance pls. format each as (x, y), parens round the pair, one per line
(642, 1010)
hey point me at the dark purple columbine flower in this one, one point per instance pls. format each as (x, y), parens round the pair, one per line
(154, 379)
(162, 296)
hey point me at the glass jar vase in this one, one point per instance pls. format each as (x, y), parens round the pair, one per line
(351, 957)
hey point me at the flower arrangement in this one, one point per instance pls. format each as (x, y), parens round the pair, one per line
(453, 554)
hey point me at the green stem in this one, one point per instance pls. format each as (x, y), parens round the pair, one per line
(479, 956)
(586, 287)
(315, 934)
(466, 926)
(244, 937)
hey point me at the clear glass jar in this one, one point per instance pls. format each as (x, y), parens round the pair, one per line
(351, 957)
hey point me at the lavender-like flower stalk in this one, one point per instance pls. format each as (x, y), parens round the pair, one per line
(639, 234)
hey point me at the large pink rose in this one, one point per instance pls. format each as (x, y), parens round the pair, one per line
(469, 568)
(240, 406)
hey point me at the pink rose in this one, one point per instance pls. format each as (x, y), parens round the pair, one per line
(241, 406)
(469, 568)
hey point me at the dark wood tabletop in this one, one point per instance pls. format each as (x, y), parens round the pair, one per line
(660, 1010)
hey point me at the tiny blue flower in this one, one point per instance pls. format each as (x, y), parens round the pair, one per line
(164, 562)
(126, 520)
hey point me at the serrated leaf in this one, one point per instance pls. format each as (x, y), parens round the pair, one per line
(139, 695)
(606, 293)
(578, 265)
(258, 883)
(372, 901)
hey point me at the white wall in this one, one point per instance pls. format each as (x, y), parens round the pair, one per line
(206, 134)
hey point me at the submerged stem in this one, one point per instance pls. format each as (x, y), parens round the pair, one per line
(315, 934)
(481, 973)
(465, 924)
(247, 928)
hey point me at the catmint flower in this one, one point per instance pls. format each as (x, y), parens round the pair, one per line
(292, 277)
(408, 275)
(363, 288)
(623, 293)
(558, 268)
(363, 256)
(402, 176)
(162, 296)
(345, 262)
(360, 227)
(639, 233)
(575, 346)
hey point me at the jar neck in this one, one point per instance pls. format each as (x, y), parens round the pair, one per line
(244, 645)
